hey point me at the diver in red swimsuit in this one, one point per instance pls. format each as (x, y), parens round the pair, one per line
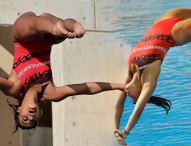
(32, 63)
(31, 80)
(144, 65)
(153, 45)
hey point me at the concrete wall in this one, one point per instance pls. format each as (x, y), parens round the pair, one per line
(87, 120)
(42, 136)
(98, 56)
(90, 13)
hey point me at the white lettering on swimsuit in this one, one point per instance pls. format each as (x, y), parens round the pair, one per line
(45, 83)
(149, 47)
(143, 66)
(31, 66)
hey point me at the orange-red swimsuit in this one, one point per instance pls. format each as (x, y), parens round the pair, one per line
(153, 44)
(32, 62)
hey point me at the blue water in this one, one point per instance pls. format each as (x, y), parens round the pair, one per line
(133, 19)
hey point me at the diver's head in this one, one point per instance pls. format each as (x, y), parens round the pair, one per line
(26, 115)
(133, 90)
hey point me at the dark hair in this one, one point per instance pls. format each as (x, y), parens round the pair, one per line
(161, 102)
(16, 115)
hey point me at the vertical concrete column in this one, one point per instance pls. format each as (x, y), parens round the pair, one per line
(88, 120)
(97, 57)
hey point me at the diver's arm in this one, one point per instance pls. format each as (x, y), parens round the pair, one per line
(119, 109)
(140, 105)
(10, 88)
(149, 82)
(89, 88)
(121, 100)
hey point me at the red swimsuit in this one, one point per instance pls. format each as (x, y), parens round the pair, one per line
(32, 63)
(153, 44)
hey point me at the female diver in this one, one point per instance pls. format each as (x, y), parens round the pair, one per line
(144, 65)
(31, 80)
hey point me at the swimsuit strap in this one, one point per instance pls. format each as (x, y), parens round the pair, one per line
(44, 85)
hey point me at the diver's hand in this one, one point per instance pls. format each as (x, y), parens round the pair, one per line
(122, 87)
(120, 135)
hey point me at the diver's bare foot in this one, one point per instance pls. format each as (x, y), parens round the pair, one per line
(78, 30)
(59, 30)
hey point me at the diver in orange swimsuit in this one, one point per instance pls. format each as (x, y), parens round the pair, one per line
(144, 65)
(31, 80)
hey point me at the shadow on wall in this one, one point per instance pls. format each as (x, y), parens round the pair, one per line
(6, 38)
(6, 51)
(46, 118)
(3, 73)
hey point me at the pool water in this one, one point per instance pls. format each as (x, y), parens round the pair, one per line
(134, 18)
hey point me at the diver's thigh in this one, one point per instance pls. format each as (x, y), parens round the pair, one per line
(181, 32)
(22, 27)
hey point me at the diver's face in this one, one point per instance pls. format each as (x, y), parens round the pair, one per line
(133, 92)
(28, 115)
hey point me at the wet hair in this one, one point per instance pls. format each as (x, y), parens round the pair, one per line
(161, 102)
(16, 117)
